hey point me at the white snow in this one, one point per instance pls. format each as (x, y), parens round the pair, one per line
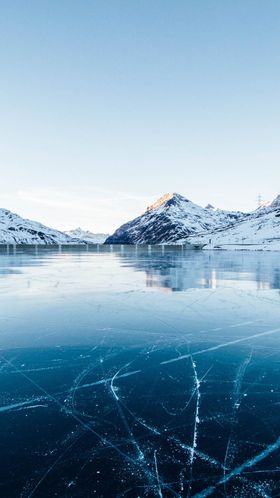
(87, 236)
(17, 230)
(171, 219)
(260, 230)
(175, 219)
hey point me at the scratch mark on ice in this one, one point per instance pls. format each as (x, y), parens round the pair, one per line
(105, 381)
(220, 346)
(15, 406)
(236, 404)
(196, 421)
(238, 470)
(157, 474)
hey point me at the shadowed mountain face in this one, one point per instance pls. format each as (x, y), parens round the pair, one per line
(173, 218)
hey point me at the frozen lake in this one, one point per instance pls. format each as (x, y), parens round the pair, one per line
(139, 372)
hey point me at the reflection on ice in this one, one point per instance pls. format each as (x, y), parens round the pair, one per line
(112, 388)
(165, 267)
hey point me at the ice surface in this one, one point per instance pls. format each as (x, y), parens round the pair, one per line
(137, 372)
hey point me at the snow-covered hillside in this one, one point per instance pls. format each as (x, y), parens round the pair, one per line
(87, 236)
(17, 230)
(259, 230)
(171, 219)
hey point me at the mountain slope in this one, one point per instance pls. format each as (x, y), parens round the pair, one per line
(260, 230)
(87, 236)
(171, 219)
(17, 230)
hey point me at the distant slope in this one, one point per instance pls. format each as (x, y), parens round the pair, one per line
(87, 236)
(171, 219)
(17, 230)
(260, 230)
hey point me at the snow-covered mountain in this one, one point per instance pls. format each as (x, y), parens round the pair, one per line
(259, 230)
(87, 236)
(17, 230)
(172, 219)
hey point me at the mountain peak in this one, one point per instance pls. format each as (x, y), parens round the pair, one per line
(87, 236)
(171, 218)
(209, 206)
(169, 197)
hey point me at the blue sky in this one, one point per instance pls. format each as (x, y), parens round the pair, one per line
(106, 105)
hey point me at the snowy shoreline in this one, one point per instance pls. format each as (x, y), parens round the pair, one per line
(243, 247)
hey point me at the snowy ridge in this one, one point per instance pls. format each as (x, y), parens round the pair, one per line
(260, 230)
(87, 236)
(17, 230)
(172, 219)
